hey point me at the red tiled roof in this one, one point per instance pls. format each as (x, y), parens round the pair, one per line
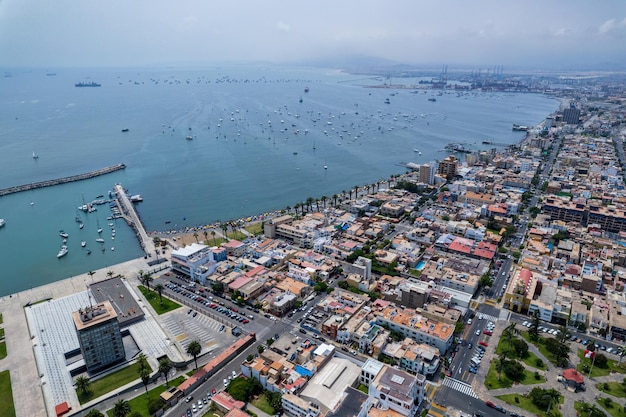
(573, 375)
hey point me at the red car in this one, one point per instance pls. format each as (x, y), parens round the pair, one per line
(483, 344)
(244, 321)
(487, 332)
(490, 404)
(213, 391)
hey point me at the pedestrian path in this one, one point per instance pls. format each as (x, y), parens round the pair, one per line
(460, 386)
(437, 410)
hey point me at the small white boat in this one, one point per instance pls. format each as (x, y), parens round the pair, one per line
(112, 247)
(63, 234)
(100, 240)
(83, 243)
(62, 252)
(35, 156)
(2, 222)
(81, 225)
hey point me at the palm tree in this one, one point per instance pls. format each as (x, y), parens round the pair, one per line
(356, 192)
(335, 197)
(159, 288)
(144, 374)
(194, 349)
(109, 273)
(213, 234)
(224, 227)
(296, 207)
(499, 366)
(309, 203)
(147, 278)
(206, 236)
(83, 384)
(195, 234)
(317, 205)
(551, 395)
(94, 413)
(142, 360)
(324, 199)
(91, 274)
(165, 365)
(121, 408)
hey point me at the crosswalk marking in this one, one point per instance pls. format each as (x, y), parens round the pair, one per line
(490, 318)
(460, 386)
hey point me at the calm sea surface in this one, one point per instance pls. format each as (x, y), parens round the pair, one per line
(259, 143)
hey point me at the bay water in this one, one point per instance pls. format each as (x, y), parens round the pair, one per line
(210, 144)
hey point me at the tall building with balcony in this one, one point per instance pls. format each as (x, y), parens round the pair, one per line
(99, 336)
(448, 166)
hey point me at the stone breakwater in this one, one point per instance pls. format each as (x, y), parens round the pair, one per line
(49, 183)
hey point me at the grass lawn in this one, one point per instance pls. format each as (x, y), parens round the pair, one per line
(615, 409)
(542, 348)
(255, 229)
(585, 363)
(6, 395)
(491, 380)
(262, 404)
(1, 333)
(528, 405)
(111, 382)
(237, 235)
(616, 389)
(140, 403)
(363, 388)
(160, 305)
(530, 359)
(3, 350)
(1, 321)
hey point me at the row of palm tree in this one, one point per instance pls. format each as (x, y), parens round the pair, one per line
(193, 349)
(335, 197)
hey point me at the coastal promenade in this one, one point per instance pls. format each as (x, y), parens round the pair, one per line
(72, 178)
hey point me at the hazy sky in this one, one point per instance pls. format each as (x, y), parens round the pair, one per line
(544, 33)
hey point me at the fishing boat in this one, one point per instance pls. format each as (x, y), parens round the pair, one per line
(62, 233)
(81, 225)
(88, 251)
(35, 156)
(83, 243)
(100, 240)
(2, 221)
(99, 228)
(62, 252)
(189, 137)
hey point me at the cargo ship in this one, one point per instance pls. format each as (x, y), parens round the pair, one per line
(520, 128)
(89, 84)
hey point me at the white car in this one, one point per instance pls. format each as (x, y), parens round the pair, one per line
(524, 323)
(480, 316)
(234, 374)
(469, 321)
(477, 332)
(225, 382)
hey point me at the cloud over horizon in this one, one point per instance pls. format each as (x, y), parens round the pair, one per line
(142, 32)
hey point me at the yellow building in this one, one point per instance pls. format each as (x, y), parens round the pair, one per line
(520, 291)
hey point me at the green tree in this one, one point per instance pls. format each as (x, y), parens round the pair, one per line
(514, 370)
(260, 349)
(121, 408)
(154, 405)
(109, 274)
(217, 287)
(91, 274)
(276, 401)
(213, 235)
(159, 289)
(601, 361)
(533, 331)
(194, 348)
(521, 348)
(83, 385)
(144, 374)
(165, 366)
(94, 413)
(142, 360)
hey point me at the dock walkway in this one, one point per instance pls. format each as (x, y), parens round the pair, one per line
(131, 216)
(72, 178)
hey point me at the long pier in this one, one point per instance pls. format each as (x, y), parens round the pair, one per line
(49, 183)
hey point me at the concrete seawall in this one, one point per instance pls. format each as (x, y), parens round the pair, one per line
(49, 183)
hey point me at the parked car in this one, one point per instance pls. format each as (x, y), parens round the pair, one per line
(473, 370)
(490, 404)
(487, 332)
(483, 344)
